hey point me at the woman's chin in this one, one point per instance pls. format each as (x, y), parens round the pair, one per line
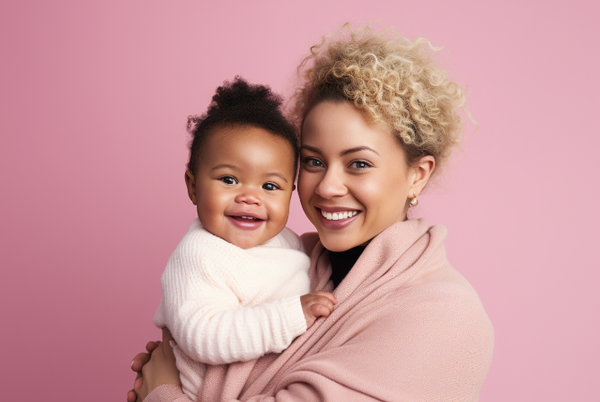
(338, 243)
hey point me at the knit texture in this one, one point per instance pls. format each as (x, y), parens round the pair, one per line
(224, 304)
(407, 327)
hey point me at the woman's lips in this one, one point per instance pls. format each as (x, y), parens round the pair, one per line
(246, 222)
(337, 218)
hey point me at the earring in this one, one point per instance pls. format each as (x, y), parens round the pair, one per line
(414, 201)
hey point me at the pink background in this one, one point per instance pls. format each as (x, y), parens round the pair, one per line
(94, 100)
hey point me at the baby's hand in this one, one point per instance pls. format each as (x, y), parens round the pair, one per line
(317, 304)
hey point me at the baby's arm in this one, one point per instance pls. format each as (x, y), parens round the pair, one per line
(207, 320)
(220, 334)
(223, 334)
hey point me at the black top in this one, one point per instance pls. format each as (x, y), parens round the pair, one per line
(342, 262)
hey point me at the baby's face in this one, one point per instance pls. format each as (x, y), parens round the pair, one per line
(243, 184)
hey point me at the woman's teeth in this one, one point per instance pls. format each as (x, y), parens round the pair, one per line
(336, 216)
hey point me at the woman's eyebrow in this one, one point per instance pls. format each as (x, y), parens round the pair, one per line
(357, 149)
(313, 149)
(343, 153)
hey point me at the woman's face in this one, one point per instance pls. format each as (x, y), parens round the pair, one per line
(353, 182)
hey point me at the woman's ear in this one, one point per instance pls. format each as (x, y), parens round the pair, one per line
(420, 173)
(190, 183)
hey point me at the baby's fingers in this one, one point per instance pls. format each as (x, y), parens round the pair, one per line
(322, 308)
(328, 295)
(322, 293)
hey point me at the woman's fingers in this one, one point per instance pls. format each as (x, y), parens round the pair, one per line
(150, 346)
(139, 360)
(131, 396)
(142, 358)
(137, 384)
(137, 365)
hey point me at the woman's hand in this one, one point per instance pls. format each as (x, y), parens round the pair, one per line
(317, 304)
(136, 365)
(155, 368)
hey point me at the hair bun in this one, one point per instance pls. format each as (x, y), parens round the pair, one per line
(239, 92)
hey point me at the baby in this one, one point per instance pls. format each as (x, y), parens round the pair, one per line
(232, 288)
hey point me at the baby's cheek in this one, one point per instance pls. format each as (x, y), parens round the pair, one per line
(279, 214)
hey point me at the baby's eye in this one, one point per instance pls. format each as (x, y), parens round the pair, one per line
(270, 186)
(360, 165)
(228, 180)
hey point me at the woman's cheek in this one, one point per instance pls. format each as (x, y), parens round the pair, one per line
(306, 187)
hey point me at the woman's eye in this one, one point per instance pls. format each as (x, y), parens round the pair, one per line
(313, 162)
(360, 165)
(228, 180)
(270, 186)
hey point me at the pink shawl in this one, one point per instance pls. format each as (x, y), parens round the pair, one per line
(407, 327)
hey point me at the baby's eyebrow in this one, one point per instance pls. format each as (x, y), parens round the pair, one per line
(277, 174)
(233, 167)
(225, 166)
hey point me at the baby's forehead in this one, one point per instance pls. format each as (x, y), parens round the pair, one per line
(248, 147)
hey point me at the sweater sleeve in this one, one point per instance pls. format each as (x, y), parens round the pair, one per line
(206, 318)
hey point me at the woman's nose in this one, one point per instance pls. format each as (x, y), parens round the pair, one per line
(331, 185)
(249, 196)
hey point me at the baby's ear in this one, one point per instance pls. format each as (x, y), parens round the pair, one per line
(190, 183)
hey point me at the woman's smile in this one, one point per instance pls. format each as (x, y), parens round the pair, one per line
(338, 216)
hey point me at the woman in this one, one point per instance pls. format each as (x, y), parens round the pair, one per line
(376, 119)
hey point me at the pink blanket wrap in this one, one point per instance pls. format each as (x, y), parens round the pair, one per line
(407, 327)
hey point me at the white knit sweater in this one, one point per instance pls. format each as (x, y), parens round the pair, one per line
(225, 304)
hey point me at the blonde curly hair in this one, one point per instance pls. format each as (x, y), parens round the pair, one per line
(392, 80)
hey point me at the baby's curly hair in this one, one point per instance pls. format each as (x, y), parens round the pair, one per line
(239, 103)
(392, 80)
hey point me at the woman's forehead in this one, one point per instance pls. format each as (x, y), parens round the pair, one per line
(343, 126)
